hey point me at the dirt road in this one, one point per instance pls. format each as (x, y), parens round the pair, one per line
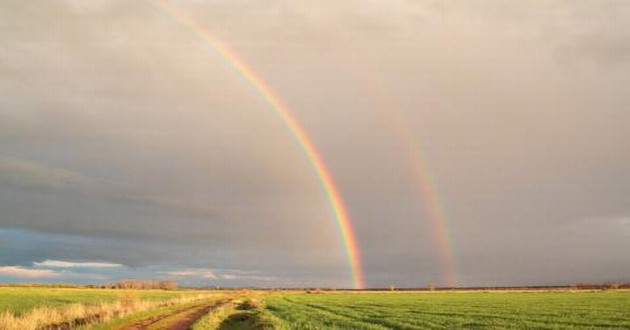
(178, 319)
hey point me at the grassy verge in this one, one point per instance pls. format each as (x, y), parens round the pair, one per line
(213, 319)
(91, 312)
(18, 300)
(241, 315)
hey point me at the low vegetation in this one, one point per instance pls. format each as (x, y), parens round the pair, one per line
(143, 284)
(48, 308)
(439, 310)
(35, 308)
(215, 318)
(248, 313)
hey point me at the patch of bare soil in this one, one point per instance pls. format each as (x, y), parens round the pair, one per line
(189, 315)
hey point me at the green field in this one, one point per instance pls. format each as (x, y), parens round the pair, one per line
(548, 310)
(20, 299)
(353, 310)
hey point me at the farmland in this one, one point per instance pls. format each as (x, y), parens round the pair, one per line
(547, 310)
(163, 309)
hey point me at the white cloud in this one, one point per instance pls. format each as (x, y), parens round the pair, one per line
(17, 271)
(69, 264)
(199, 273)
(220, 274)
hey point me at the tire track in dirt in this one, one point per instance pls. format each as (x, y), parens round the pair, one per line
(188, 316)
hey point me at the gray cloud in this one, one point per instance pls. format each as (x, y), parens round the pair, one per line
(126, 139)
(29, 174)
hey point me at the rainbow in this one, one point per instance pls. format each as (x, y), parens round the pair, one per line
(322, 172)
(432, 205)
(431, 201)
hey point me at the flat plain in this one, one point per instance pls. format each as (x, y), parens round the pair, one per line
(257, 309)
(461, 310)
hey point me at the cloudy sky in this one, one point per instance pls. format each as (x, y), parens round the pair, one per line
(130, 148)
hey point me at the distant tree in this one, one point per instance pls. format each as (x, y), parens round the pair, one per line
(168, 285)
(145, 284)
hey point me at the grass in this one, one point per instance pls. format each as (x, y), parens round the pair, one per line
(252, 319)
(244, 314)
(496, 310)
(32, 308)
(214, 318)
(21, 299)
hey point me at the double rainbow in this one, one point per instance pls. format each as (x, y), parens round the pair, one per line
(293, 125)
(424, 183)
(392, 115)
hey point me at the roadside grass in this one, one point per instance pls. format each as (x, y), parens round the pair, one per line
(214, 318)
(245, 314)
(72, 308)
(165, 322)
(550, 310)
(21, 299)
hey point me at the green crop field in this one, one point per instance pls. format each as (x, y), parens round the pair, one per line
(539, 310)
(20, 299)
(348, 310)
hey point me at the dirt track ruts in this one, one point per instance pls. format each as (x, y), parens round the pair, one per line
(179, 323)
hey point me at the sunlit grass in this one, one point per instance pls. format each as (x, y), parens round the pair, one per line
(243, 314)
(33, 308)
(452, 310)
(20, 299)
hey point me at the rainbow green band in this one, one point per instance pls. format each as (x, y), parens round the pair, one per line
(344, 224)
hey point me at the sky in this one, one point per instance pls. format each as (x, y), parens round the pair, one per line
(130, 148)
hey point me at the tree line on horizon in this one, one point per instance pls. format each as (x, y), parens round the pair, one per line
(143, 284)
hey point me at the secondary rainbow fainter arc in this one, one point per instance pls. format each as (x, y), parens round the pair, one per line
(344, 224)
(428, 194)
(393, 116)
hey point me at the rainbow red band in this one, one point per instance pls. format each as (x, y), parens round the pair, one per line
(322, 172)
(422, 180)
(432, 206)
